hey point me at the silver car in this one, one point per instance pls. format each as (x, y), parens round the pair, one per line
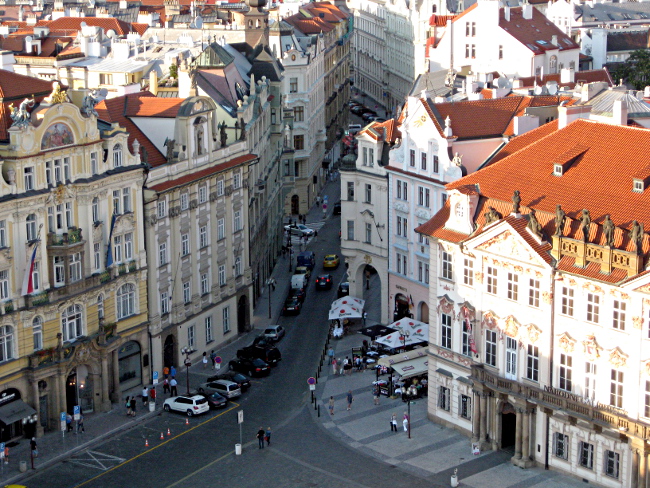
(274, 332)
(226, 388)
(299, 230)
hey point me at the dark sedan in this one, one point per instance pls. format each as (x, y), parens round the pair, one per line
(241, 379)
(298, 293)
(324, 282)
(344, 290)
(250, 367)
(336, 210)
(215, 400)
(292, 306)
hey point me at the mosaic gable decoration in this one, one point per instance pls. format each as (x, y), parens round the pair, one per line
(57, 135)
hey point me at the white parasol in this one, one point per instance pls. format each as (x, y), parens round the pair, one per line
(357, 302)
(345, 312)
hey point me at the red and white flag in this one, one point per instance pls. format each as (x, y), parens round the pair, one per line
(28, 280)
(468, 328)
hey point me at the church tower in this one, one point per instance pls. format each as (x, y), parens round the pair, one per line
(257, 23)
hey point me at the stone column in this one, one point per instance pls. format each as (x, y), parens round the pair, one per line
(518, 431)
(494, 423)
(483, 419)
(116, 377)
(37, 406)
(60, 394)
(525, 441)
(643, 466)
(476, 413)
(106, 400)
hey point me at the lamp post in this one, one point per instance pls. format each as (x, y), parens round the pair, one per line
(404, 335)
(271, 284)
(188, 362)
(290, 248)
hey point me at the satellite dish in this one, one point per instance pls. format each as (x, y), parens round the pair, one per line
(111, 34)
(502, 82)
(192, 26)
(83, 24)
(552, 89)
(29, 39)
(199, 22)
(537, 90)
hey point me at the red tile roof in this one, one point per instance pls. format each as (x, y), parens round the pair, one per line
(66, 24)
(440, 20)
(204, 173)
(152, 107)
(536, 33)
(590, 76)
(14, 88)
(375, 129)
(524, 140)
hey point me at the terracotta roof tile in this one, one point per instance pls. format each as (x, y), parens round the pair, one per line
(14, 88)
(440, 20)
(65, 24)
(590, 76)
(592, 270)
(519, 142)
(204, 173)
(152, 107)
(374, 129)
(536, 33)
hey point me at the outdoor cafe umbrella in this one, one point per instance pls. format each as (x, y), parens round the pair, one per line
(356, 302)
(415, 330)
(373, 331)
(345, 312)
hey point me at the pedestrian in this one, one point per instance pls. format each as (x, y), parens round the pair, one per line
(393, 423)
(350, 399)
(359, 364)
(315, 235)
(334, 369)
(375, 394)
(341, 366)
(260, 437)
(145, 396)
(172, 371)
(68, 422)
(213, 356)
(318, 201)
(32, 446)
(365, 316)
(128, 405)
(165, 386)
(165, 372)
(268, 436)
(330, 354)
(80, 424)
(173, 384)
(133, 405)
(405, 422)
(205, 360)
(331, 405)
(152, 395)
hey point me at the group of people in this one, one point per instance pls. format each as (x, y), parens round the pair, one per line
(80, 423)
(405, 422)
(347, 365)
(264, 435)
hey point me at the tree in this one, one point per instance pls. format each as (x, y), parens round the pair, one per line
(173, 71)
(636, 70)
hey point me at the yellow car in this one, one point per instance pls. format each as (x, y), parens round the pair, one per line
(331, 261)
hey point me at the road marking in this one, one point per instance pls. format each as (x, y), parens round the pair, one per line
(97, 460)
(234, 406)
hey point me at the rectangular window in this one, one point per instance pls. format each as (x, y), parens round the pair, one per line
(445, 336)
(421, 196)
(187, 292)
(162, 209)
(561, 445)
(185, 244)
(185, 201)
(237, 223)
(436, 164)
(68, 215)
(117, 202)
(423, 161)
(593, 307)
(126, 200)
(58, 174)
(128, 246)
(646, 410)
(59, 271)
(511, 358)
(221, 229)
(368, 233)
(412, 158)
(492, 280)
(203, 236)
(590, 380)
(3, 233)
(299, 142)
(190, 336)
(447, 266)
(532, 363)
(117, 249)
(491, 347)
(444, 400)
(586, 453)
(616, 389)
(98, 255)
(465, 407)
(75, 267)
(4, 284)
(236, 180)
(203, 194)
(399, 226)
(225, 317)
(533, 293)
(209, 336)
(465, 347)
(293, 85)
(205, 286)
(164, 303)
(612, 464)
(567, 301)
(500, 52)
(513, 286)
(37, 331)
(399, 189)
(222, 275)
(238, 264)
(473, 49)
(365, 156)
(36, 276)
(468, 272)
(427, 198)
(368, 193)
(29, 178)
(350, 191)
(220, 188)
(371, 157)
(350, 228)
(566, 373)
(162, 254)
(299, 114)
(94, 167)
(618, 318)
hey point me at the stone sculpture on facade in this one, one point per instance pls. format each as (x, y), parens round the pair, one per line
(636, 235)
(608, 230)
(491, 216)
(222, 134)
(516, 200)
(533, 224)
(88, 104)
(560, 217)
(21, 115)
(585, 223)
(170, 144)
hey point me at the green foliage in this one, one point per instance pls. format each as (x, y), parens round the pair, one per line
(173, 71)
(636, 70)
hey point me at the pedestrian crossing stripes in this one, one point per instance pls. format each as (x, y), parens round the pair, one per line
(297, 240)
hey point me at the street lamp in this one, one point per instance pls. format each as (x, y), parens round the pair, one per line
(271, 284)
(290, 248)
(404, 335)
(188, 362)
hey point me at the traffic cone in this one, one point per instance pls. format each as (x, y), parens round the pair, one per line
(146, 443)
(169, 432)
(161, 436)
(187, 421)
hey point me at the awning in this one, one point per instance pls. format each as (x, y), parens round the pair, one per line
(413, 367)
(391, 361)
(14, 411)
(445, 372)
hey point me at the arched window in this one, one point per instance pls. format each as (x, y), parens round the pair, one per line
(37, 329)
(6, 343)
(117, 155)
(71, 323)
(125, 301)
(95, 209)
(100, 306)
(31, 227)
(552, 64)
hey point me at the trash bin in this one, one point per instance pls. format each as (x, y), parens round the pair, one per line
(238, 449)
(152, 406)
(22, 466)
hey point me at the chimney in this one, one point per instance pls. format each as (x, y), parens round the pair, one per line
(619, 115)
(525, 123)
(448, 131)
(566, 115)
(554, 41)
(506, 13)
(527, 11)
(567, 75)
(21, 11)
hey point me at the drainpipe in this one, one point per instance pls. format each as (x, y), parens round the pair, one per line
(550, 364)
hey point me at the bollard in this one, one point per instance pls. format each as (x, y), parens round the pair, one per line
(315, 405)
(318, 411)
(22, 466)
(238, 449)
(454, 478)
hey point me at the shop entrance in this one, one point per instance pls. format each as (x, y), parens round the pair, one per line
(508, 426)
(295, 205)
(401, 307)
(71, 392)
(130, 365)
(169, 352)
(242, 314)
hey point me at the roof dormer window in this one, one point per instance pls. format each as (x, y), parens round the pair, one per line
(638, 186)
(557, 169)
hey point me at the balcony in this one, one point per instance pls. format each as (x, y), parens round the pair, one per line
(70, 238)
(49, 356)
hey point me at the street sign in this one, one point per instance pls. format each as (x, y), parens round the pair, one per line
(63, 422)
(2, 450)
(76, 412)
(311, 380)
(240, 416)
(155, 377)
(217, 366)
(312, 387)
(218, 360)
(325, 198)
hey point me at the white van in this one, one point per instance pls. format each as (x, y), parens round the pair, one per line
(299, 281)
(354, 128)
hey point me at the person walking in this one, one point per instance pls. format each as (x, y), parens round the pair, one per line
(393, 423)
(331, 405)
(152, 395)
(165, 372)
(268, 436)
(330, 353)
(375, 394)
(173, 384)
(365, 316)
(165, 386)
(145, 396)
(213, 356)
(350, 399)
(318, 201)
(128, 406)
(405, 422)
(172, 371)
(260, 437)
(80, 424)
(133, 405)
(334, 364)
(204, 360)
(341, 366)
(68, 422)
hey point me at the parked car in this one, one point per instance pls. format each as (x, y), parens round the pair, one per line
(336, 209)
(379, 119)
(262, 340)
(366, 116)
(344, 290)
(354, 128)
(292, 306)
(274, 332)
(303, 270)
(331, 261)
(324, 282)
(306, 258)
(299, 293)
(215, 400)
(190, 405)
(299, 230)
(269, 354)
(298, 282)
(227, 388)
(242, 380)
(250, 367)
(358, 109)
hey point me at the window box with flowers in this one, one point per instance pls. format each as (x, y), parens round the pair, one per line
(132, 266)
(121, 269)
(9, 306)
(105, 277)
